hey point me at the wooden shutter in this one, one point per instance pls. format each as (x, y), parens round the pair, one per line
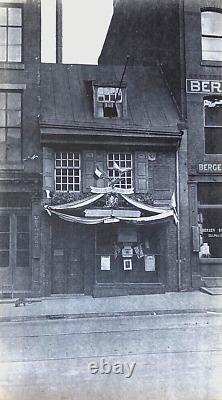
(48, 168)
(88, 169)
(102, 164)
(141, 172)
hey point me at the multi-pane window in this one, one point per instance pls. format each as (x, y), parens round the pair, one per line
(109, 102)
(10, 34)
(67, 172)
(211, 25)
(213, 125)
(119, 167)
(10, 126)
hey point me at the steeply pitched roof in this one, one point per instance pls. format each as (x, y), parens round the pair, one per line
(67, 97)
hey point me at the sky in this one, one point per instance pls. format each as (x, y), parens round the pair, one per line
(85, 24)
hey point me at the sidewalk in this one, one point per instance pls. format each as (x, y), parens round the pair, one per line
(85, 306)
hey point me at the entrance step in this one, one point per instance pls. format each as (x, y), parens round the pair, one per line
(214, 291)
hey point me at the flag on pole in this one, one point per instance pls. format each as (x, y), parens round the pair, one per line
(173, 205)
(98, 173)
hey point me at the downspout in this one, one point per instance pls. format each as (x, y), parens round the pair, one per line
(178, 224)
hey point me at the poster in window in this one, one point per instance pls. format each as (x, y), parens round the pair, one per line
(105, 263)
(150, 263)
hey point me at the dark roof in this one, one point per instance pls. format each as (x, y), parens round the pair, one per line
(67, 97)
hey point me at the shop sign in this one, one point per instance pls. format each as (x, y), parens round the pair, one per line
(105, 263)
(36, 236)
(209, 168)
(204, 86)
(150, 263)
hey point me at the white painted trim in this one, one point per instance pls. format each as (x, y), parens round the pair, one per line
(12, 86)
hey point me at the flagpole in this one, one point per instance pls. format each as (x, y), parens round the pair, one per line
(121, 81)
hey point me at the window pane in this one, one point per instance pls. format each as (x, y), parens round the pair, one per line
(15, 16)
(212, 231)
(4, 223)
(13, 118)
(212, 49)
(14, 145)
(2, 135)
(14, 101)
(4, 259)
(2, 101)
(4, 241)
(211, 23)
(2, 118)
(213, 112)
(3, 16)
(2, 36)
(213, 140)
(14, 53)
(2, 53)
(23, 241)
(210, 193)
(14, 36)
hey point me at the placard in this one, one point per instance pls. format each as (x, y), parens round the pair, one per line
(105, 263)
(150, 263)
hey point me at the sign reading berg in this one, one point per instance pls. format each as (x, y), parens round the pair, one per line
(209, 168)
(203, 86)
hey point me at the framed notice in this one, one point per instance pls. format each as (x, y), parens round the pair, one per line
(127, 264)
(105, 263)
(150, 263)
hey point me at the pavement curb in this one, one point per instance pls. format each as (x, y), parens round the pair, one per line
(54, 317)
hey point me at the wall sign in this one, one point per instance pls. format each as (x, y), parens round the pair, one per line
(203, 86)
(36, 236)
(105, 263)
(209, 168)
(150, 263)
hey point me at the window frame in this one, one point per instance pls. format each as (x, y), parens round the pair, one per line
(207, 127)
(79, 168)
(210, 36)
(121, 104)
(110, 169)
(17, 6)
(7, 127)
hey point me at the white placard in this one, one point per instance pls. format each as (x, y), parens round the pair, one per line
(105, 263)
(150, 263)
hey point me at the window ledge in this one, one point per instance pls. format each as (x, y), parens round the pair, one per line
(208, 63)
(11, 65)
(210, 260)
(12, 167)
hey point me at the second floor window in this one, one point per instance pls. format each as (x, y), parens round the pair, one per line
(211, 25)
(119, 165)
(67, 172)
(10, 34)
(109, 102)
(10, 126)
(213, 125)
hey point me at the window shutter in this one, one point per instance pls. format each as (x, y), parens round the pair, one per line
(88, 169)
(48, 168)
(102, 164)
(141, 172)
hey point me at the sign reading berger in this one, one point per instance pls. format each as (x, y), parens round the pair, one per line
(204, 86)
(209, 168)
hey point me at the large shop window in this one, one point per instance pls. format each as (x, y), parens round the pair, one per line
(213, 125)
(210, 219)
(10, 34)
(119, 167)
(67, 171)
(10, 126)
(211, 25)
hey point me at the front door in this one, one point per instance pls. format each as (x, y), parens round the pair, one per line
(15, 266)
(67, 270)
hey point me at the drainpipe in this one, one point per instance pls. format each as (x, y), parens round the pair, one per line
(178, 224)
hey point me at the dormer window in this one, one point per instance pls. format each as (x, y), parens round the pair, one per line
(109, 101)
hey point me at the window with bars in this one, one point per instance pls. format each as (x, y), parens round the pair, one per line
(67, 172)
(10, 34)
(213, 125)
(10, 126)
(211, 26)
(119, 166)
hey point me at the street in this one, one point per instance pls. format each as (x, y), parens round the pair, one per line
(176, 357)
